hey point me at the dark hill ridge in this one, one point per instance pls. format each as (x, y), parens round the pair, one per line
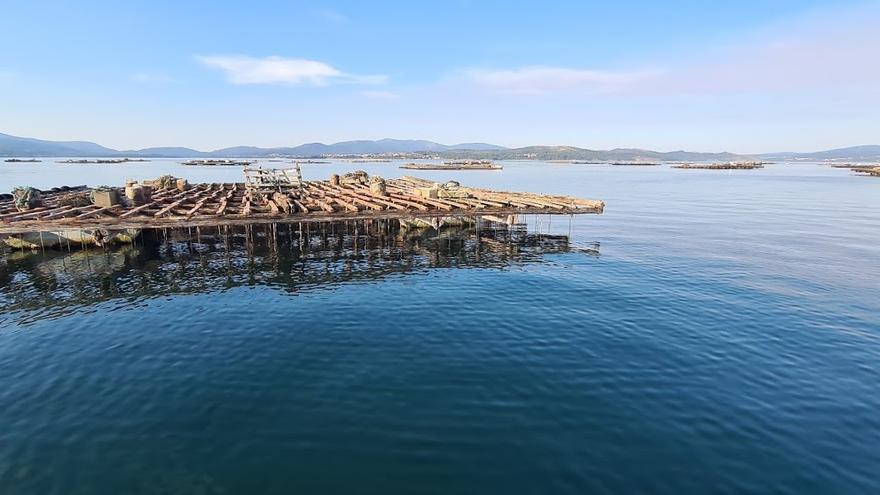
(27, 147)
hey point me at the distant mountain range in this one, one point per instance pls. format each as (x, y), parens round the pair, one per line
(29, 147)
(573, 153)
(20, 146)
(867, 153)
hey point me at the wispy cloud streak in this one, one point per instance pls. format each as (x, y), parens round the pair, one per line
(243, 69)
(826, 49)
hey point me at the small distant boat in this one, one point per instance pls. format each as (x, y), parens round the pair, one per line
(219, 163)
(636, 164)
(22, 160)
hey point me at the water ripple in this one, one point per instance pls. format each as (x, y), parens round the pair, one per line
(707, 334)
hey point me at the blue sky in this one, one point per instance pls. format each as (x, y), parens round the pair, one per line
(744, 76)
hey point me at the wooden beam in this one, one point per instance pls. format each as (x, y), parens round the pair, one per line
(99, 210)
(138, 209)
(54, 213)
(399, 203)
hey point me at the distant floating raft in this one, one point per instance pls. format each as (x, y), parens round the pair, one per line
(218, 163)
(722, 166)
(272, 197)
(873, 171)
(467, 165)
(860, 168)
(104, 161)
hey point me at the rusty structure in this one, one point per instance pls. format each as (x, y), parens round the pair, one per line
(266, 196)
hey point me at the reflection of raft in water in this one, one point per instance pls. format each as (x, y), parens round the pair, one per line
(435, 223)
(292, 257)
(438, 223)
(83, 263)
(72, 238)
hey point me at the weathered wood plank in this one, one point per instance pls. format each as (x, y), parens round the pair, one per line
(232, 204)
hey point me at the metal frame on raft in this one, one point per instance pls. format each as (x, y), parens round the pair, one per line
(269, 196)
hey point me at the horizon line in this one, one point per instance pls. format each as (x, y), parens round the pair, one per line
(435, 142)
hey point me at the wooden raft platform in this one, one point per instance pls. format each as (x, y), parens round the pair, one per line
(305, 201)
(451, 166)
(875, 171)
(722, 166)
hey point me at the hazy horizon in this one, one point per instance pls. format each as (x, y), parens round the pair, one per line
(294, 145)
(746, 78)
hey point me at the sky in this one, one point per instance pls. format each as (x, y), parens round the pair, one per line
(747, 76)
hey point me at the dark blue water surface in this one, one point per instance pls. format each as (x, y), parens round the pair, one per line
(711, 332)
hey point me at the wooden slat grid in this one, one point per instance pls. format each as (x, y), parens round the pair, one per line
(315, 200)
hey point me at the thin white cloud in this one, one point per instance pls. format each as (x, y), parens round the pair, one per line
(824, 49)
(543, 79)
(243, 69)
(828, 49)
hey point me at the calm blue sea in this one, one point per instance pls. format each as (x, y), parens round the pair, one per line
(711, 332)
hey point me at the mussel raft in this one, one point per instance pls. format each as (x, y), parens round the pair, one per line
(873, 171)
(33, 218)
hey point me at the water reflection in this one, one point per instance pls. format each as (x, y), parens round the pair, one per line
(291, 258)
